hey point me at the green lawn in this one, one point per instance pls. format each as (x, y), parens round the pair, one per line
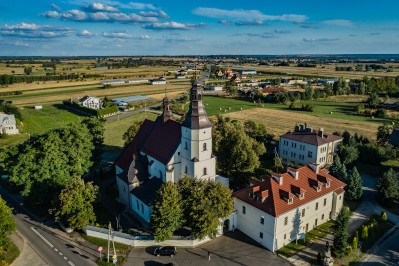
(10, 254)
(115, 129)
(50, 117)
(310, 237)
(12, 140)
(214, 103)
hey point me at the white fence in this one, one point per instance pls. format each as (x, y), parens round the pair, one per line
(143, 241)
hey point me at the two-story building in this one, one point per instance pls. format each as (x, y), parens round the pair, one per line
(8, 124)
(277, 209)
(305, 145)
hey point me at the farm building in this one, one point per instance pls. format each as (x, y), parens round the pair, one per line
(214, 87)
(111, 82)
(8, 124)
(136, 80)
(247, 72)
(122, 101)
(158, 81)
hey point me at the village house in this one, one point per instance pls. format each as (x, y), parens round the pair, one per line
(305, 145)
(89, 102)
(219, 73)
(159, 81)
(228, 71)
(275, 210)
(166, 150)
(235, 78)
(8, 124)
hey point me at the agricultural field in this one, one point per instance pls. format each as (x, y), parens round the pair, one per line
(280, 122)
(115, 129)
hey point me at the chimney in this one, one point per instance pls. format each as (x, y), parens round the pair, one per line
(278, 178)
(296, 128)
(294, 172)
(321, 132)
(301, 127)
(315, 167)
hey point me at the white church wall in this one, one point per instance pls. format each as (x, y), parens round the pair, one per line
(140, 208)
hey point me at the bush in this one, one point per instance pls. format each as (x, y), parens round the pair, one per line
(354, 243)
(381, 113)
(383, 216)
(365, 232)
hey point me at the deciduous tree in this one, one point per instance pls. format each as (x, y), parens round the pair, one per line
(167, 215)
(75, 205)
(131, 132)
(7, 223)
(387, 187)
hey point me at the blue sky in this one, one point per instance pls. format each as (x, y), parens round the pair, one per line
(86, 27)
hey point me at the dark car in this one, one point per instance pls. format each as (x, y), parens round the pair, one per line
(165, 251)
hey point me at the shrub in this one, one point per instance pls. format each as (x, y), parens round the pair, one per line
(365, 232)
(349, 251)
(381, 113)
(383, 216)
(354, 243)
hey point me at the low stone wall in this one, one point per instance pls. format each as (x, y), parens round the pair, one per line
(142, 241)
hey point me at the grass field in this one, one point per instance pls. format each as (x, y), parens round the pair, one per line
(115, 129)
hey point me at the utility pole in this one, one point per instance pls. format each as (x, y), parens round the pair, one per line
(109, 235)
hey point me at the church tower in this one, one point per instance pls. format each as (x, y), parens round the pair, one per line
(197, 159)
(167, 113)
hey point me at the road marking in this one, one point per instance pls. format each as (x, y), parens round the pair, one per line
(70, 263)
(65, 258)
(42, 237)
(60, 253)
(56, 249)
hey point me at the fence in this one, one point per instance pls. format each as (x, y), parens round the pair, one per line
(142, 241)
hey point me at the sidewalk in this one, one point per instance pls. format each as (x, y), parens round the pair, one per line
(27, 256)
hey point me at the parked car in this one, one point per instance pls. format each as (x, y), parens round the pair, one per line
(165, 251)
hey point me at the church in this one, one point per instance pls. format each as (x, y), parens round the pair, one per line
(166, 150)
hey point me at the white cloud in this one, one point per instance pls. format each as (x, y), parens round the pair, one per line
(56, 7)
(282, 31)
(246, 14)
(173, 26)
(86, 34)
(135, 5)
(339, 22)
(34, 31)
(224, 22)
(117, 34)
(319, 39)
(77, 15)
(18, 43)
(250, 23)
(154, 14)
(94, 7)
(143, 37)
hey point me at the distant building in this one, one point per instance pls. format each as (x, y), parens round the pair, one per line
(236, 79)
(89, 102)
(214, 87)
(280, 207)
(305, 145)
(110, 82)
(247, 72)
(180, 77)
(8, 124)
(136, 80)
(228, 71)
(123, 101)
(219, 73)
(158, 81)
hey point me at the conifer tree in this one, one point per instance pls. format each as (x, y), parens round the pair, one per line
(387, 187)
(336, 165)
(354, 189)
(341, 233)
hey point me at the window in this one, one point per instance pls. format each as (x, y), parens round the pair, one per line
(262, 220)
(315, 222)
(285, 220)
(317, 206)
(243, 209)
(285, 236)
(185, 170)
(205, 172)
(261, 235)
(303, 212)
(325, 201)
(138, 205)
(204, 147)
(310, 154)
(185, 146)
(142, 208)
(340, 197)
(322, 217)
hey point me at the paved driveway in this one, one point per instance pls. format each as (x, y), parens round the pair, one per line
(233, 248)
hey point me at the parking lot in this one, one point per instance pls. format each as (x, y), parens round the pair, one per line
(233, 248)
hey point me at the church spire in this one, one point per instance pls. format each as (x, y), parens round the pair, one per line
(167, 112)
(196, 116)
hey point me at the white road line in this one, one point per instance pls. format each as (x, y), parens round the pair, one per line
(70, 263)
(56, 249)
(60, 253)
(65, 258)
(42, 237)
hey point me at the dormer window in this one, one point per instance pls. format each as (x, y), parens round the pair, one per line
(290, 200)
(328, 184)
(301, 195)
(318, 188)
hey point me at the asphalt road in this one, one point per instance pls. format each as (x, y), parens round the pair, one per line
(51, 247)
(385, 254)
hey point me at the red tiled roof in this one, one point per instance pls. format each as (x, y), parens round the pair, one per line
(312, 138)
(163, 140)
(269, 90)
(275, 204)
(156, 139)
(340, 191)
(126, 155)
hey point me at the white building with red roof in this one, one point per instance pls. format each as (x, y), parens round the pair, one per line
(275, 210)
(305, 145)
(166, 150)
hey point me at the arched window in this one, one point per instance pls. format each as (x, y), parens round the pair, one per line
(205, 172)
(204, 147)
